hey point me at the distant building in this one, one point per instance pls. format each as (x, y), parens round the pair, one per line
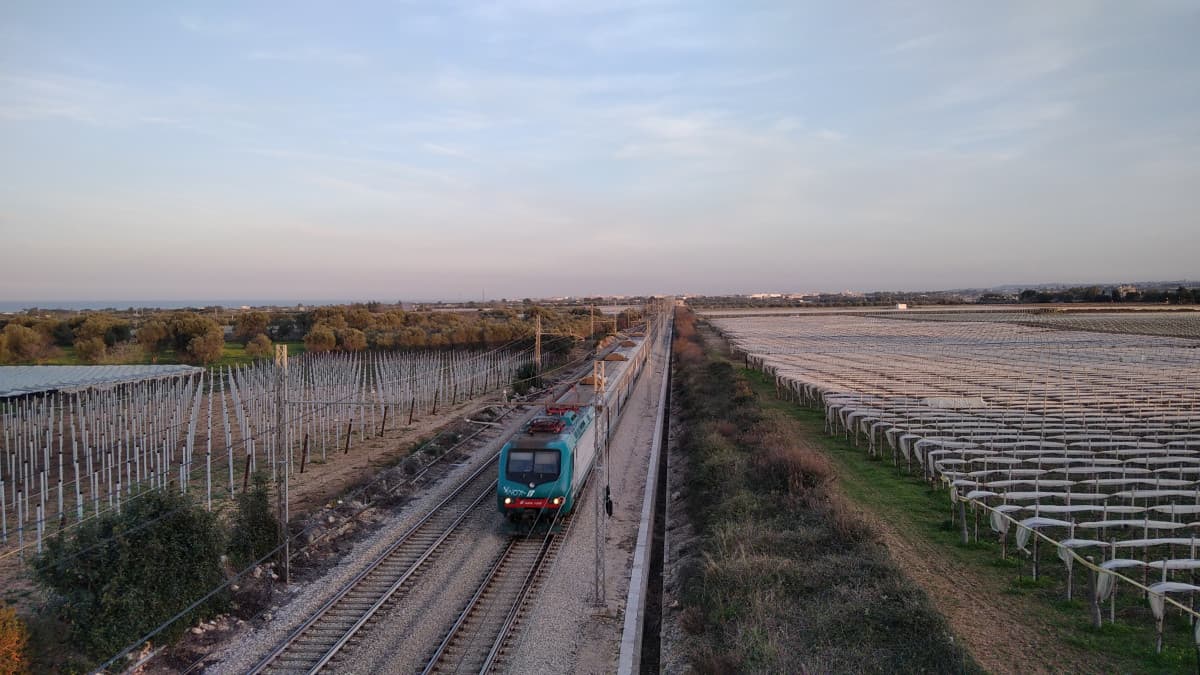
(901, 305)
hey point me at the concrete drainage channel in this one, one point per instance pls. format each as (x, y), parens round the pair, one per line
(640, 635)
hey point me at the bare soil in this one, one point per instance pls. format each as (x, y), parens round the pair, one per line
(1003, 632)
(321, 482)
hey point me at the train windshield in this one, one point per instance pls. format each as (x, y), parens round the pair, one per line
(533, 466)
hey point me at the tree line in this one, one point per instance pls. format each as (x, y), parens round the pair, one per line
(1180, 296)
(191, 337)
(98, 337)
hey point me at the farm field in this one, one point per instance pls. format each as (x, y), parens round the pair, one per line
(770, 567)
(1070, 456)
(1176, 323)
(70, 457)
(75, 458)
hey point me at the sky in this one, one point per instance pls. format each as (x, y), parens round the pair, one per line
(459, 150)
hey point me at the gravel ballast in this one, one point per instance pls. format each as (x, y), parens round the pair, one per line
(297, 602)
(565, 629)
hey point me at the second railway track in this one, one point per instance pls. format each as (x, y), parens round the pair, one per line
(477, 641)
(344, 616)
(479, 638)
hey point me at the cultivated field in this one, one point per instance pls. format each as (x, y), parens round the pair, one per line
(1178, 323)
(1075, 437)
(70, 457)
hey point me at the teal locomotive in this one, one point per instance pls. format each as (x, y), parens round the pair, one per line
(543, 467)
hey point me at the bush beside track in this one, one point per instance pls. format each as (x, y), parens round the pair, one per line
(788, 578)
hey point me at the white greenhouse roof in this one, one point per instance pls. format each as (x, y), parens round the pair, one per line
(21, 380)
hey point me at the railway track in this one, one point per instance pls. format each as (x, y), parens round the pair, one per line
(354, 608)
(344, 616)
(478, 640)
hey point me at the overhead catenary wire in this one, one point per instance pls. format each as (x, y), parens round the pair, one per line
(299, 536)
(245, 405)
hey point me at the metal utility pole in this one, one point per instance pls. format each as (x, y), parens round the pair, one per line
(599, 586)
(537, 345)
(283, 453)
(592, 321)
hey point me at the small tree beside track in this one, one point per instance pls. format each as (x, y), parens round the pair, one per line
(119, 576)
(255, 528)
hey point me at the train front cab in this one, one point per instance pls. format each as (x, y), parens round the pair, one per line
(534, 477)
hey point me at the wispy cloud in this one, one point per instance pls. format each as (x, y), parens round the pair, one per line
(647, 121)
(508, 10)
(213, 27)
(312, 55)
(382, 169)
(653, 31)
(444, 150)
(26, 96)
(788, 124)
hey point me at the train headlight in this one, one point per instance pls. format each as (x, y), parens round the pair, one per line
(508, 500)
(558, 500)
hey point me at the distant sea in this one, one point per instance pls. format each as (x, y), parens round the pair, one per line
(21, 305)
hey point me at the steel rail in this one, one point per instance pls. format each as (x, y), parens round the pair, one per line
(316, 617)
(495, 576)
(490, 490)
(475, 598)
(547, 551)
(550, 542)
(382, 600)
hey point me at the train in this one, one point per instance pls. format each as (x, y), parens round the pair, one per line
(543, 467)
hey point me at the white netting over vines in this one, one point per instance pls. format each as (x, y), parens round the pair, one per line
(1091, 439)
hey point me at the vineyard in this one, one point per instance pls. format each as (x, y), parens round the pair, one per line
(71, 456)
(1079, 449)
(1184, 324)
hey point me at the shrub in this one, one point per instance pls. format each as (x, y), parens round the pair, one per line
(13, 638)
(196, 338)
(92, 350)
(108, 328)
(26, 344)
(255, 528)
(786, 464)
(320, 339)
(526, 379)
(152, 334)
(122, 575)
(249, 325)
(206, 347)
(259, 347)
(352, 340)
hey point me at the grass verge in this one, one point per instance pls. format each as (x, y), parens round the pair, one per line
(788, 577)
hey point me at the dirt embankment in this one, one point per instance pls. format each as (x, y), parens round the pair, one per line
(781, 575)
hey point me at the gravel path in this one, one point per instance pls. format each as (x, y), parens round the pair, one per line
(566, 631)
